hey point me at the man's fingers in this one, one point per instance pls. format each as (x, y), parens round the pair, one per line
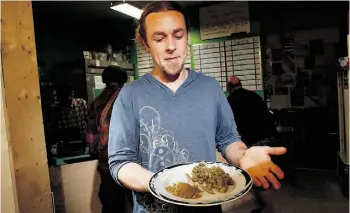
(277, 171)
(273, 180)
(276, 150)
(256, 182)
(264, 182)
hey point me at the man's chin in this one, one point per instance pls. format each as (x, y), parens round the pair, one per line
(172, 73)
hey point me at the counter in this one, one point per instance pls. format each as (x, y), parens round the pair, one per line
(59, 161)
(75, 184)
(75, 187)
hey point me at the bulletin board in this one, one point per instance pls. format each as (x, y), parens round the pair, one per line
(298, 64)
(240, 57)
(144, 60)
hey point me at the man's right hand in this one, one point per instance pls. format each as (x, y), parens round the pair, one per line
(257, 162)
(134, 177)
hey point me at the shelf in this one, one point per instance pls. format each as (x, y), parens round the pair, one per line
(93, 63)
(57, 161)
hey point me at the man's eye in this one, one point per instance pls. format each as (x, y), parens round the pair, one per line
(179, 35)
(158, 40)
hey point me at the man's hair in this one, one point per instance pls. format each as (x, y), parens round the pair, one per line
(233, 83)
(63, 90)
(155, 7)
(114, 74)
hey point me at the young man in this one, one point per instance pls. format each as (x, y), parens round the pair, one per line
(112, 196)
(167, 120)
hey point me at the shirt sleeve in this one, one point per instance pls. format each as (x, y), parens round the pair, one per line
(123, 133)
(226, 129)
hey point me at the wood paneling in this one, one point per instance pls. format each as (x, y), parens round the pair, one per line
(22, 98)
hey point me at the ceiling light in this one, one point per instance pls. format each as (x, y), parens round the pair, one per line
(128, 10)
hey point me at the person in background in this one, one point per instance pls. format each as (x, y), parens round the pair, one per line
(111, 195)
(256, 126)
(167, 121)
(254, 121)
(67, 117)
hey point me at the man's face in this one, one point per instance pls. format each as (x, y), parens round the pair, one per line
(167, 40)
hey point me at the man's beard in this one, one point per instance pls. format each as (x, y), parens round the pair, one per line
(172, 69)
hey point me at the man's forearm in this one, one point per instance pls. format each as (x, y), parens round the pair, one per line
(134, 177)
(234, 152)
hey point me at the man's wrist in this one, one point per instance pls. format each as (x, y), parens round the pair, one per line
(234, 152)
(241, 157)
(148, 178)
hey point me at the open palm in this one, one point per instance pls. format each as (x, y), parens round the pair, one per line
(257, 162)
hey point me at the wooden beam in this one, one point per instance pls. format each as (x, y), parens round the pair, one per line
(22, 98)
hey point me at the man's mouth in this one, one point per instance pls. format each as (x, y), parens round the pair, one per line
(172, 59)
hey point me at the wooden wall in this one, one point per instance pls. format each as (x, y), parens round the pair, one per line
(22, 98)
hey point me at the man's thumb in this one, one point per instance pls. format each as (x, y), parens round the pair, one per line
(276, 150)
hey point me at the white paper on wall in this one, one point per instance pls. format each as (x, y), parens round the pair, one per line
(221, 20)
(98, 82)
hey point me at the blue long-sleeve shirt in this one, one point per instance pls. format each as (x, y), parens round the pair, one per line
(157, 128)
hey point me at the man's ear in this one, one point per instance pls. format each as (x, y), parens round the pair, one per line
(145, 45)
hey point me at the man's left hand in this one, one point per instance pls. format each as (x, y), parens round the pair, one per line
(257, 162)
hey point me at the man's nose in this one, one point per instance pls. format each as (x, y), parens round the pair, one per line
(170, 45)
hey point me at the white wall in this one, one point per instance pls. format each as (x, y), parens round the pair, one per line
(8, 189)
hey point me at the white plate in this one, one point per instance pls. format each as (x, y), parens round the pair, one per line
(175, 174)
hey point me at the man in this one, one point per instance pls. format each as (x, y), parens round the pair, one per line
(112, 196)
(254, 121)
(168, 120)
(255, 125)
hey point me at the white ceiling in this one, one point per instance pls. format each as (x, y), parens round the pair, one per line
(98, 9)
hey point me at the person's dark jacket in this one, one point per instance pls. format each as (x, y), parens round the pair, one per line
(253, 119)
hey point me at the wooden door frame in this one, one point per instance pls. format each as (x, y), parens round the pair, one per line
(26, 141)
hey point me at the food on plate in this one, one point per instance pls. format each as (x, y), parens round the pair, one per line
(212, 177)
(200, 185)
(184, 190)
(203, 178)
